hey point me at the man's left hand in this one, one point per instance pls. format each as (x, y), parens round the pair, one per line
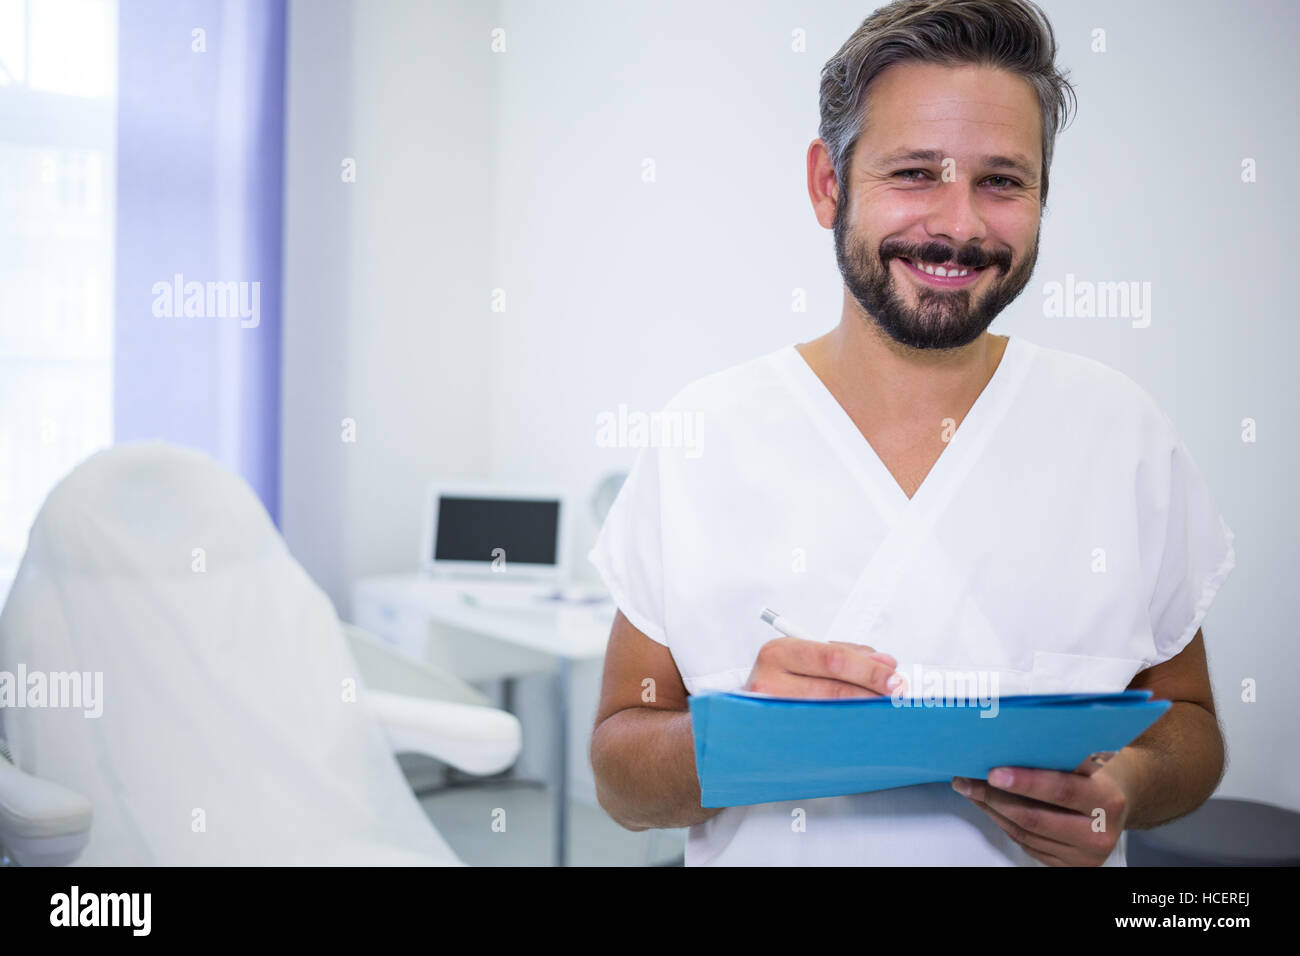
(1061, 819)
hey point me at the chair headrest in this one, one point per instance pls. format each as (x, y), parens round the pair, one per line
(152, 508)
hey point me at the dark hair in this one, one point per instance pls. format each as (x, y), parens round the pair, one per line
(1013, 35)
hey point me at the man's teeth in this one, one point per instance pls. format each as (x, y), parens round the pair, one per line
(940, 270)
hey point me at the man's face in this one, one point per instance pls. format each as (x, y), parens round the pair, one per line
(946, 174)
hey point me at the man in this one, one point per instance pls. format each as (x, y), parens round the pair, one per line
(925, 496)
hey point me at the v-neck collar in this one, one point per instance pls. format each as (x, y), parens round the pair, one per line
(953, 462)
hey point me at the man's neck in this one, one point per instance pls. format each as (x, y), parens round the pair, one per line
(877, 378)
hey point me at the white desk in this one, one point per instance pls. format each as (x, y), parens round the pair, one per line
(431, 621)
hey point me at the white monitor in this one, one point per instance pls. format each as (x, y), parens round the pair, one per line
(495, 532)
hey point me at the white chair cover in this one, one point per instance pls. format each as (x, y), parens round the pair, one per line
(234, 727)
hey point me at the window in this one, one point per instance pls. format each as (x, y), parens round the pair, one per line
(58, 111)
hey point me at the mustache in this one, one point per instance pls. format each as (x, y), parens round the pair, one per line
(939, 253)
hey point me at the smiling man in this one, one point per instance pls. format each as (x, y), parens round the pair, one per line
(926, 497)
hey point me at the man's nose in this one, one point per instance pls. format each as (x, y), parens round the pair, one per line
(954, 214)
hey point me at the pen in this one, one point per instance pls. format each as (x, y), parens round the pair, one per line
(784, 625)
(788, 628)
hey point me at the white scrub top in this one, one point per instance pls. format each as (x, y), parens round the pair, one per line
(1063, 541)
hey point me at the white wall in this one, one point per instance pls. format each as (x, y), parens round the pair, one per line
(386, 278)
(388, 281)
(620, 291)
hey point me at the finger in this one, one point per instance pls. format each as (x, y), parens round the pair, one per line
(1029, 840)
(1032, 843)
(1046, 858)
(878, 655)
(1070, 790)
(1052, 822)
(838, 662)
(812, 688)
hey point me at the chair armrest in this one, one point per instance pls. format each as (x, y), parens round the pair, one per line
(472, 738)
(41, 822)
(386, 669)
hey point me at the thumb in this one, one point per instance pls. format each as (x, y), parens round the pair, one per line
(1094, 762)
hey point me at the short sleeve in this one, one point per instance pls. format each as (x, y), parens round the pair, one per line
(628, 551)
(1193, 545)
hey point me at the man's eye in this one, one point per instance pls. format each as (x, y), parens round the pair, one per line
(911, 175)
(1005, 182)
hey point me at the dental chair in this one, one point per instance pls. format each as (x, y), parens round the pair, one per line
(220, 714)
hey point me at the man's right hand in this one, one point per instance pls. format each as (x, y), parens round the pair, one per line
(795, 667)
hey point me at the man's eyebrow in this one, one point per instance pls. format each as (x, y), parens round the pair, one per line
(1015, 162)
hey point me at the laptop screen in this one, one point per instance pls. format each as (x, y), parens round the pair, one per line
(471, 529)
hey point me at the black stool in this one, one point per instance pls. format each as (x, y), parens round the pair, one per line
(1221, 832)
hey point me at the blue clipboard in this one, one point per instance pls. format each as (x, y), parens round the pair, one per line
(753, 748)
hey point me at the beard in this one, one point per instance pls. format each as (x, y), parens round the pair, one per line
(942, 318)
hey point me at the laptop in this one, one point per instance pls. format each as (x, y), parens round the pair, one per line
(495, 541)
